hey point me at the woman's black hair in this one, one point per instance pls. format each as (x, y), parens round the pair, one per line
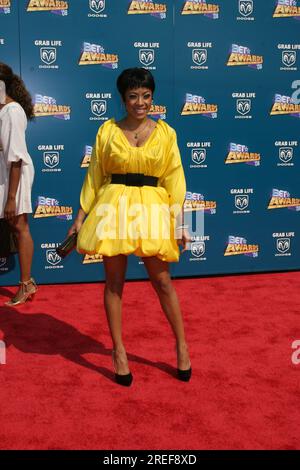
(16, 89)
(133, 78)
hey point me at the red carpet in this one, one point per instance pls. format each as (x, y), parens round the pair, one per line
(57, 389)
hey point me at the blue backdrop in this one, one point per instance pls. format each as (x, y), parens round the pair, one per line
(227, 80)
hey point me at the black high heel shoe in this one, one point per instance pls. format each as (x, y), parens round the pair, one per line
(184, 375)
(122, 379)
(125, 380)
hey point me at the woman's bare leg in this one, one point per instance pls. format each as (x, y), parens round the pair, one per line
(159, 276)
(25, 245)
(115, 271)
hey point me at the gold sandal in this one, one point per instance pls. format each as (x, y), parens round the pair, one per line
(25, 292)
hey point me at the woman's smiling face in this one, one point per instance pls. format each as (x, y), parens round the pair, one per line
(138, 102)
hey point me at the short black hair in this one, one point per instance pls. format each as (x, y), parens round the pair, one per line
(133, 78)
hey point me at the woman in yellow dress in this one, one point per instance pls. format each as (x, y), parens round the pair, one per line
(130, 203)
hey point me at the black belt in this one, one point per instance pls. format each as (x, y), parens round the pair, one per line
(134, 179)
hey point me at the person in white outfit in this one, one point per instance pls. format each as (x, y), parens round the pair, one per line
(16, 173)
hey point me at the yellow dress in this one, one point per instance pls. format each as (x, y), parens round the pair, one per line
(130, 219)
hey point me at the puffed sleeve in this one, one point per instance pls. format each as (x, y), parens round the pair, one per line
(173, 179)
(13, 129)
(94, 176)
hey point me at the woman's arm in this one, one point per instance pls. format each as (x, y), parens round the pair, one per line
(14, 179)
(182, 231)
(92, 182)
(173, 181)
(77, 222)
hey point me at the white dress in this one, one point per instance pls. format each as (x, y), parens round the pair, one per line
(13, 123)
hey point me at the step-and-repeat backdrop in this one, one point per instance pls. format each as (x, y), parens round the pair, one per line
(227, 80)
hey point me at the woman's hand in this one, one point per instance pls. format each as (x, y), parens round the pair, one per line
(77, 222)
(75, 227)
(10, 208)
(184, 238)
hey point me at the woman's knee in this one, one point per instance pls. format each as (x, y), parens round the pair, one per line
(115, 285)
(19, 226)
(163, 284)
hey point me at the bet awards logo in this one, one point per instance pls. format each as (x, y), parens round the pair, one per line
(85, 162)
(97, 8)
(286, 152)
(158, 10)
(241, 55)
(98, 105)
(158, 111)
(197, 202)
(47, 106)
(91, 259)
(287, 9)
(5, 6)
(285, 105)
(201, 7)
(246, 8)
(240, 246)
(195, 104)
(94, 54)
(50, 207)
(58, 7)
(239, 153)
(281, 199)
(283, 243)
(243, 105)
